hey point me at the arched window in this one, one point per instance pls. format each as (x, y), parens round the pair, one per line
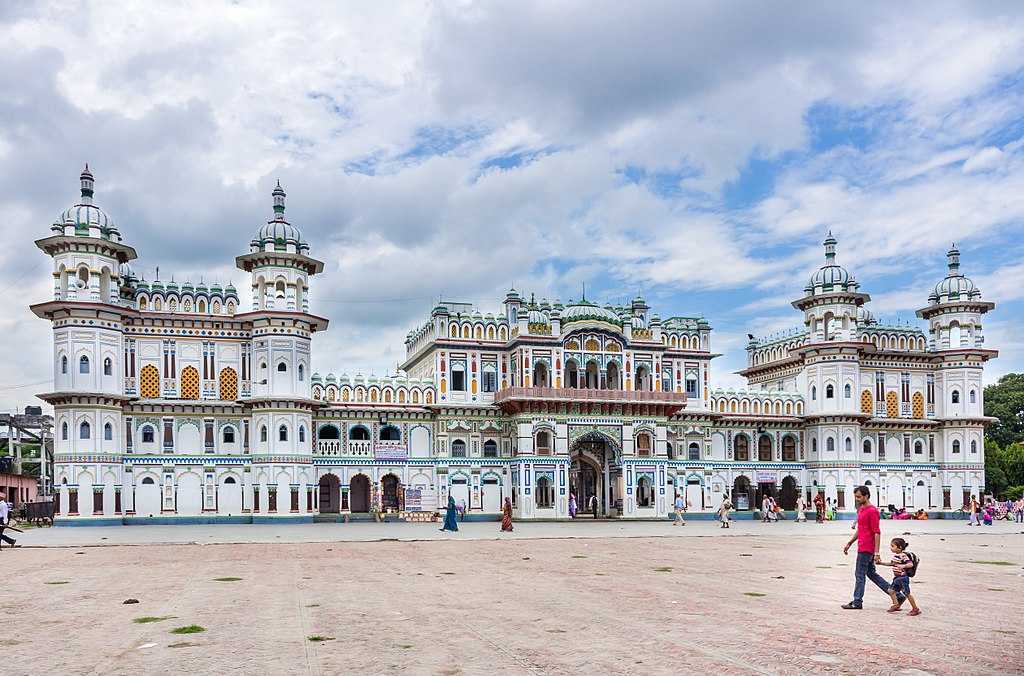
(83, 364)
(788, 448)
(956, 445)
(974, 446)
(954, 397)
(644, 492)
(108, 367)
(918, 447)
(867, 445)
(643, 444)
(458, 448)
(390, 433)
(148, 434)
(694, 451)
(64, 364)
(814, 445)
(540, 375)
(201, 306)
(329, 432)
(764, 448)
(742, 446)
(458, 378)
(814, 393)
(84, 431)
(830, 445)
(490, 448)
(847, 391)
(282, 433)
(228, 435)
(972, 397)
(302, 373)
(302, 434)
(848, 445)
(263, 434)
(359, 433)
(830, 392)
(108, 432)
(543, 443)
(282, 367)
(64, 431)
(148, 481)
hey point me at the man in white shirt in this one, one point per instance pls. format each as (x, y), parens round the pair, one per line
(5, 515)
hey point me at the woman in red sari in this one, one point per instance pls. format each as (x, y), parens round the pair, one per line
(506, 516)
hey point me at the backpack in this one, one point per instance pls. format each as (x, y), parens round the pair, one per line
(911, 572)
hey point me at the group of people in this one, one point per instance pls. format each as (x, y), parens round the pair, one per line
(453, 511)
(1011, 510)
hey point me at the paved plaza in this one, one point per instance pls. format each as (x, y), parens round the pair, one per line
(551, 598)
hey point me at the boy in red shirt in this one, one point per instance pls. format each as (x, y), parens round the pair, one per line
(868, 537)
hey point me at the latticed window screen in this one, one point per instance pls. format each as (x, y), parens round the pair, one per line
(149, 382)
(867, 403)
(228, 384)
(189, 383)
(918, 405)
(892, 406)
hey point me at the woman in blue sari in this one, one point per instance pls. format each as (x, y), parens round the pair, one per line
(450, 522)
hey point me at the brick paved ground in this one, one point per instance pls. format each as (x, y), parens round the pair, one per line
(596, 605)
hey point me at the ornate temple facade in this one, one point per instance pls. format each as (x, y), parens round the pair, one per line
(172, 402)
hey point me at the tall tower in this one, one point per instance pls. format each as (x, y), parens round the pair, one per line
(88, 314)
(954, 313)
(281, 407)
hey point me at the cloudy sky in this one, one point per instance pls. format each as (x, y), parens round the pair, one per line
(694, 152)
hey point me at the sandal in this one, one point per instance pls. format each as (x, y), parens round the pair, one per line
(915, 611)
(894, 609)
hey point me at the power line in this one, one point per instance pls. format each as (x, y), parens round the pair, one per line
(18, 387)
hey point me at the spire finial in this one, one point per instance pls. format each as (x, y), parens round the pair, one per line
(279, 196)
(830, 249)
(87, 184)
(953, 255)
(584, 291)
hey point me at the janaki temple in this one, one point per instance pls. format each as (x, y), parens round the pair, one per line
(174, 403)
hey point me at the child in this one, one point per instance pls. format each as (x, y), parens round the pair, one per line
(902, 566)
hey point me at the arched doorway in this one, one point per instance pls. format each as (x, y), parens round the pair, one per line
(595, 477)
(787, 499)
(229, 496)
(391, 493)
(359, 493)
(330, 494)
(741, 493)
(572, 373)
(540, 375)
(593, 379)
(644, 493)
(643, 378)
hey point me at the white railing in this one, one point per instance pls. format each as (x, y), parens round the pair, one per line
(360, 448)
(328, 447)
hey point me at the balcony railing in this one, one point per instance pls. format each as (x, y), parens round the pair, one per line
(589, 395)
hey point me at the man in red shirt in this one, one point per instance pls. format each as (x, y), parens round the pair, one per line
(868, 537)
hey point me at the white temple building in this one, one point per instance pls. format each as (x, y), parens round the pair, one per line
(172, 403)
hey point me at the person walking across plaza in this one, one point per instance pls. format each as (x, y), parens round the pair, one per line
(766, 507)
(723, 512)
(819, 508)
(868, 537)
(680, 507)
(593, 505)
(506, 516)
(904, 567)
(450, 516)
(572, 505)
(975, 510)
(801, 507)
(5, 517)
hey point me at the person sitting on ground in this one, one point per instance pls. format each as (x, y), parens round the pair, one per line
(921, 515)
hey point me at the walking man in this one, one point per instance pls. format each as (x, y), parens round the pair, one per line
(680, 510)
(593, 505)
(868, 537)
(5, 515)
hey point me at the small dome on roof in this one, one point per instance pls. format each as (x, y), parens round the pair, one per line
(831, 276)
(279, 234)
(585, 310)
(955, 286)
(85, 219)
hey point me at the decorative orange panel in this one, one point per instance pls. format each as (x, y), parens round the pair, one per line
(189, 383)
(149, 382)
(867, 402)
(228, 384)
(918, 405)
(892, 406)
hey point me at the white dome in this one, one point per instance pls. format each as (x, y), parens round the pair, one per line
(955, 286)
(278, 234)
(831, 276)
(585, 310)
(85, 219)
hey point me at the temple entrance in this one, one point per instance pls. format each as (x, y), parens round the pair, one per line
(390, 494)
(742, 495)
(787, 499)
(594, 474)
(765, 489)
(359, 493)
(330, 494)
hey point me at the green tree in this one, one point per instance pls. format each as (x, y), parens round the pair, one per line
(1005, 402)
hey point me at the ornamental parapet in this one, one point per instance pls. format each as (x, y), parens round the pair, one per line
(579, 394)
